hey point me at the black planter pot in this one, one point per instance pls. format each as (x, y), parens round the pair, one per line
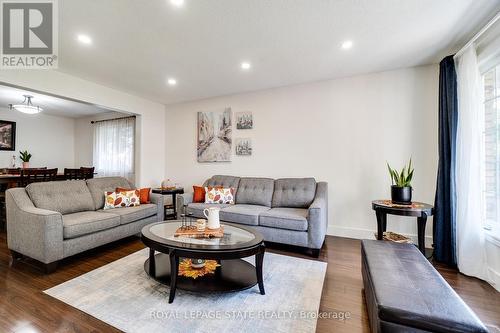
(401, 195)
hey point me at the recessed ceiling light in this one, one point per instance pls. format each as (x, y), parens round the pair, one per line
(84, 39)
(246, 65)
(177, 3)
(346, 45)
(172, 82)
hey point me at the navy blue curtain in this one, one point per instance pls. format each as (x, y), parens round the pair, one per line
(444, 205)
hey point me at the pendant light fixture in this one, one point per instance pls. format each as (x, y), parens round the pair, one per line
(26, 106)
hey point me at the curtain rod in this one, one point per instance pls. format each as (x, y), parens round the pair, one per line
(100, 121)
(479, 34)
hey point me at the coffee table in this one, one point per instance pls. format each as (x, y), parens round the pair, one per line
(234, 274)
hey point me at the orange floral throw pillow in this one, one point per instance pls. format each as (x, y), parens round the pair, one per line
(219, 195)
(121, 199)
(198, 194)
(143, 193)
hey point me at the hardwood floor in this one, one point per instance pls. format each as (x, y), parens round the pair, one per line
(25, 308)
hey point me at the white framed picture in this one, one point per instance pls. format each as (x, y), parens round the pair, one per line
(243, 146)
(244, 120)
(214, 136)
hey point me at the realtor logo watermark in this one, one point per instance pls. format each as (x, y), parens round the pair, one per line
(29, 34)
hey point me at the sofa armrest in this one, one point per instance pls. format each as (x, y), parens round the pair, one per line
(157, 199)
(34, 232)
(318, 216)
(181, 201)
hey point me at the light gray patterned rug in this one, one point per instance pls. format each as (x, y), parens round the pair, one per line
(124, 296)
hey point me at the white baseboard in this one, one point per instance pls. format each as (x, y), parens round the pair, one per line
(495, 278)
(359, 233)
(493, 258)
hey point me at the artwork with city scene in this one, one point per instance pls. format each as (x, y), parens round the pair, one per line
(243, 147)
(7, 135)
(214, 136)
(244, 120)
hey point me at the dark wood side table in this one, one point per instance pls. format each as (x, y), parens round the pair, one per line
(172, 193)
(417, 209)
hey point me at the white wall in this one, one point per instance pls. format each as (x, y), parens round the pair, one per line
(340, 131)
(151, 124)
(50, 139)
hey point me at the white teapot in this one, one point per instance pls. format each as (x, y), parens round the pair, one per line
(212, 215)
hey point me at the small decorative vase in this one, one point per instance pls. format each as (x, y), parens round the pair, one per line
(201, 225)
(26, 165)
(212, 215)
(167, 184)
(401, 195)
(197, 263)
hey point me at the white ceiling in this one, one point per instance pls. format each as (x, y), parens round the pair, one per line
(51, 105)
(137, 45)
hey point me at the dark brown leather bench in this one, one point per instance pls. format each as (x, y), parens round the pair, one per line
(404, 293)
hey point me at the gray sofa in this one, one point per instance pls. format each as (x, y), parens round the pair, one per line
(53, 220)
(290, 210)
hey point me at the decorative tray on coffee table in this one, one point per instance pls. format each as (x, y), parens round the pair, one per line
(193, 232)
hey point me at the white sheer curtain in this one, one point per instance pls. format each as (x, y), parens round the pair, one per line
(471, 253)
(114, 142)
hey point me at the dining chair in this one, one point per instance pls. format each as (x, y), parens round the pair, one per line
(72, 174)
(29, 176)
(87, 172)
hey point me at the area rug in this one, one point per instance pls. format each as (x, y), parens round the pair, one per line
(124, 296)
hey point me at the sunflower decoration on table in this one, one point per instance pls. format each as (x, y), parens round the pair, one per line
(186, 269)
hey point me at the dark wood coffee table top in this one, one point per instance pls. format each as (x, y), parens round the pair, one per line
(235, 237)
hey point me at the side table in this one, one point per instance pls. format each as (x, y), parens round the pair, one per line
(417, 209)
(173, 193)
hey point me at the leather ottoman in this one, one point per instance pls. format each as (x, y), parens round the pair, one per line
(404, 293)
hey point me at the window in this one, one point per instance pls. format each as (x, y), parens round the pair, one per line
(114, 142)
(491, 81)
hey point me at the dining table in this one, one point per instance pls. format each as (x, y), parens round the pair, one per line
(14, 179)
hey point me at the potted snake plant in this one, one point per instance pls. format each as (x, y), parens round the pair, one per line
(25, 157)
(401, 184)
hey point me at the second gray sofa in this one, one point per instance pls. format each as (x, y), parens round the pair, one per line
(289, 210)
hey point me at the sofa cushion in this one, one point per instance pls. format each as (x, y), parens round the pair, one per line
(132, 214)
(83, 223)
(121, 199)
(65, 197)
(98, 186)
(294, 192)
(255, 191)
(144, 193)
(199, 193)
(222, 181)
(219, 195)
(197, 208)
(244, 214)
(285, 218)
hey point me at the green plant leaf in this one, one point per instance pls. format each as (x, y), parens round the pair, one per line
(410, 177)
(396, 178)
(390, 173)
(402, 177)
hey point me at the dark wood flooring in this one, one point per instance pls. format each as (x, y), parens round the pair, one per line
(25, 308)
